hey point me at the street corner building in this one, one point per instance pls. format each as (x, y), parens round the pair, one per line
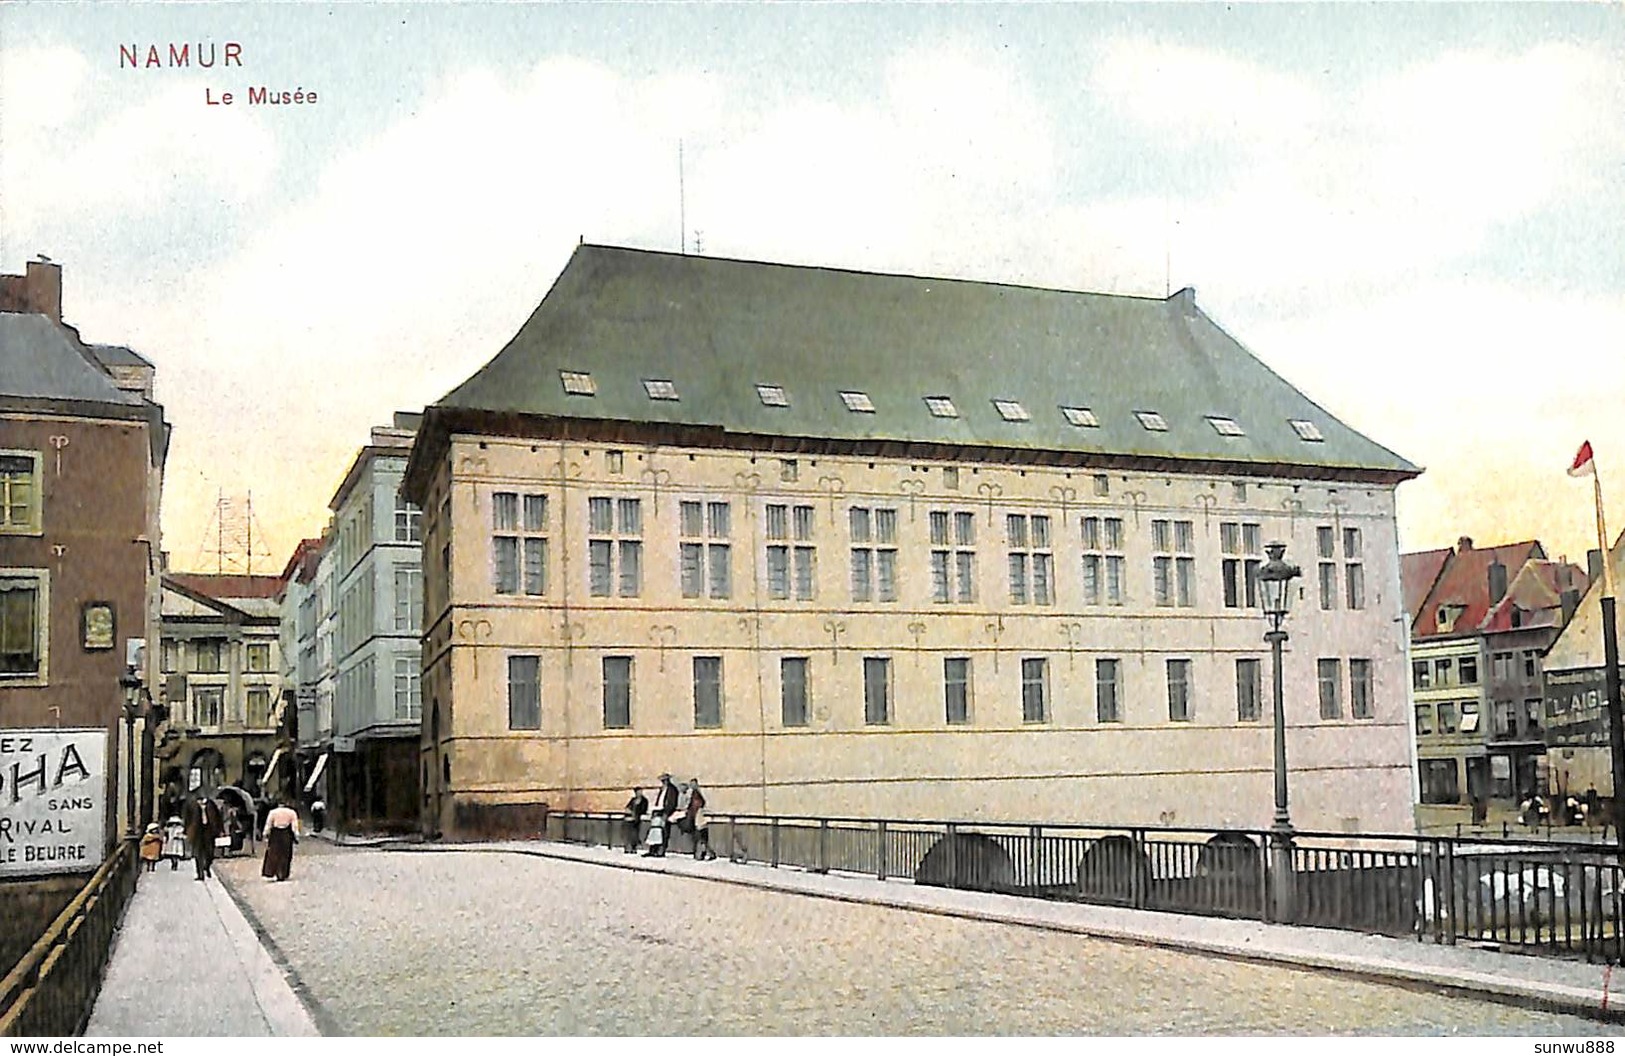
(849, 544)
(82, 449)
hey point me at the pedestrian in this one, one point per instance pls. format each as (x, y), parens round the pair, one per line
(203, 827)
(636, 807)
(699, 822)
(281, 833)
(661, 816)
(318, 814)
(152, 847)
(680, 817)
(174, 842)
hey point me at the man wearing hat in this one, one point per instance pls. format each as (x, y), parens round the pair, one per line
(665, 805)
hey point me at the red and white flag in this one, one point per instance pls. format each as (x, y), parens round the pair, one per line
(1583, 466)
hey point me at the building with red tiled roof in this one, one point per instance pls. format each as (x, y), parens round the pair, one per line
(1462, 595)
(1418, 573)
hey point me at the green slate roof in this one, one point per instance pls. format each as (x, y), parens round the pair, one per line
(716, 329)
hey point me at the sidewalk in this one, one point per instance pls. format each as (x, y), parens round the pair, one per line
(1544, 983)
(186, 963)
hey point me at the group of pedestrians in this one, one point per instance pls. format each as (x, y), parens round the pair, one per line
(202, 830)
(675, 808)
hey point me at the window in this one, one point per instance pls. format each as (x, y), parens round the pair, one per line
(950, 478)
(1446, 712)
(789, 470)
(577, 383)
(1102, 485)
(941, 407)
(524, 693)
(1325, 541)
(876, 690)
(1469, 716)
(1082, 417)
(259, 656)
(956, 689)
(1103, 560)
(1353, 569)
(1152, 421)
(858, 402)
(408, 522)
(259, 709)
(1439, 782)
(953, 555)
(707, 692)
(519, 553)
(1174, 566)
(1032, 566)
(207, 656)
(408, 599)
(20, 492)
(615, 547)
(207, 702)
(408, 682)
(1249, 690)
(615, 462)
(1424, 718)
(1225, 426)
(1238, 490)
(1179, 691)
(705, 559)
(1442, 672)
(1243, 546)
(1011, 411)
(773, 396)
(874, 554)
(1467, 670)
(1421, 674)
(1329, 673)
(1531, 716)
(793, 690)
(790, 567)
(1306, 430)
(617, 692)
(1106, 690)
(1360, 689)
(166, 656)
(660, 389)
(1034, 676)
(1531, 663)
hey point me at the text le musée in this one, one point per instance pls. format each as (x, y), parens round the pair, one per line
(206, 55)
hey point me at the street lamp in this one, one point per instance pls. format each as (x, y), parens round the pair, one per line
(130, 682)
(1275, 583)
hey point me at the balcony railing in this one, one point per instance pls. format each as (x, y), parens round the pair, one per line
(1519, 895)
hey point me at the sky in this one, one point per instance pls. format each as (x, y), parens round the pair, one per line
(1413, 213)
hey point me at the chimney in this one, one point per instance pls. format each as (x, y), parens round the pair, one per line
(1498, 582)
(1464, 544)
(42, 284)
(1594, 565)
(1571, 601)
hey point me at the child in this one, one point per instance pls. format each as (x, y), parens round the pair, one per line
(174, 842)
(152, 846)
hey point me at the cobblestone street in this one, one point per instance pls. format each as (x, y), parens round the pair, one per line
(498, 943)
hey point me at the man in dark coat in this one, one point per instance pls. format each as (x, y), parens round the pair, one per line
(665, 805)
(636, 808)
(203, 824)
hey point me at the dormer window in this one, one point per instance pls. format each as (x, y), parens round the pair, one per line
(1152, 421)
(1082, 417)
(578, 383)
(1011, 411)
(773, 396)
(1225, 426)
(858, 402)
(660, 390)
(942, 407)
(1306, 430)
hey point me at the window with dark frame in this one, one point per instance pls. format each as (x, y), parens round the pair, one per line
(614, 547)
(1179, 691)
(1249, 690)
(953, 555)
(707, 692)
(793, 690)
(1329, 675)
(874, 553)
(1360, 688)
(1102, 560)
(956, 689)
(876, 690)
(1032, 564)
(1243, 548)
(1034, 689)
(790, 568)
(617, 674)
(524, 693)
(1107, 707)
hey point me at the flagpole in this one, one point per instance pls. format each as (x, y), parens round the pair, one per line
(1610, 667)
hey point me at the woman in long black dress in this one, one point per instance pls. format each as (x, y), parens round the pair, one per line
(281, 830)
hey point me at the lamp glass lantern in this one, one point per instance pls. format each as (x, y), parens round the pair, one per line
(1275, 584)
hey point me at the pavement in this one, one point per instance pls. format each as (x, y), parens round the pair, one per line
(187, 963)
(1545, 983)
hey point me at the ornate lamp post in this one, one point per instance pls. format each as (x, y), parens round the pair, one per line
(1275, 583)
(130, 682)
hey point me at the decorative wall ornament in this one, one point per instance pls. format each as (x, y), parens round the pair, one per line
(916, 629)
(59, 442)
(1134, 499)
(1207, 501)
(912, 487)
(565, 470)
(747, 481)
(1066, 496)
(663, 635)
(58, 550)
(473, 631)
(834, 628)
(989, 491)
(1337, 505)
(1294, 510)
(473, 465)
(995, 630)
(656, 479)
(1071, 631)
(834, 487)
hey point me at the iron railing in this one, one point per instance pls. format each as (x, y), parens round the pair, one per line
(1536, 897)
(52, 988)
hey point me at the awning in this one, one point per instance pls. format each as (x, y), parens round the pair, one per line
(321, 764)
(270, 765)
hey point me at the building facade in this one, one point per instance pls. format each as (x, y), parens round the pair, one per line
(850, 544)
(221, 668)
(82, 450)
(1575, 692)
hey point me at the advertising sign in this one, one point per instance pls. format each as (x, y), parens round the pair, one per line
(53, 801)
(1574, 708)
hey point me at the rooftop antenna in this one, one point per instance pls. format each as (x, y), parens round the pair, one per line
(682, 204)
